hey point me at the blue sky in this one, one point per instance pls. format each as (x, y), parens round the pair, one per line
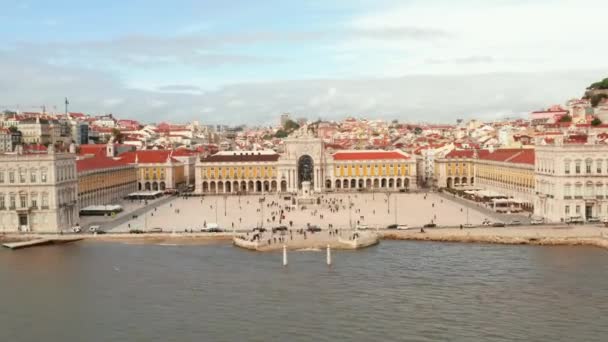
(248, 61)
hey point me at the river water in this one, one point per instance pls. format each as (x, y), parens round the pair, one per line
(397, 291)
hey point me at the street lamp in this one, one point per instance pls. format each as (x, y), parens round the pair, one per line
(216, 209)
(350, 220)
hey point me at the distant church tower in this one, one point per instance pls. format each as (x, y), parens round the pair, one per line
(110, 151)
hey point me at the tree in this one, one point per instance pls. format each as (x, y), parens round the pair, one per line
(117, 135)
(290, 126)
(565, 118)
(281, 134)
(13, 129)
(596, 122)
(417, 130)
(603, 84)
(597, 98)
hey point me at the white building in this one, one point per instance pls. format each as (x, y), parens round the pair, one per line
(38, 192)
(571, 180)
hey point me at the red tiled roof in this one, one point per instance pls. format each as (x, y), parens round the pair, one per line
(460, 154)
(95, 149)
(368, 155)
(241, 157)
(97, 162)
(526, 156)
(147, 156)
(181, 152)
(511, 155)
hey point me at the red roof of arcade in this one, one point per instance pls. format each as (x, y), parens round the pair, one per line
(369, 155)
(147, 156)
(98, 162)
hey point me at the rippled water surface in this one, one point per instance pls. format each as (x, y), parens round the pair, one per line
(397, 291)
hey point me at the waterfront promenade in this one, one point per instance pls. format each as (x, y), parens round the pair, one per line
(341, 211)
(529, 235)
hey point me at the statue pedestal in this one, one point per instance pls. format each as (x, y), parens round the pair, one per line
(305, 195)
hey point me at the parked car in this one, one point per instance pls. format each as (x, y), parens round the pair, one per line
(313, 229)
(279, 229)
(575, 220)
(362, 227)
(156, 230)
(593, 220)
(259, 229)
(212, 228)
(100, 232)
(136, 231)
(537, 220)
(515, 223)
(76, 229)
(430, 225)
(498, 224)
(93, 228)
(403, 227)
(391, 226)
(468, 225)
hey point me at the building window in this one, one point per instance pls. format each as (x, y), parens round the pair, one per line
(33, 176)
(589, 190)
(598, 166)
(12, 202)
(588, 163)
(1, 176)
(578, 191)
(34, 201)
(567, 191)
(567, 210)
(577, 167)
(21, 175)
(45, 201)
(23, 201)
(2, 205)
(43, 175)
(11, 176)
(578, 209)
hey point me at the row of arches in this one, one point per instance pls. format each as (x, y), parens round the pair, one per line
(215, 187)
(453, 182)
(383, 183)
(151, 186)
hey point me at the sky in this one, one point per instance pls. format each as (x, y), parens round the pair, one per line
(243, 61)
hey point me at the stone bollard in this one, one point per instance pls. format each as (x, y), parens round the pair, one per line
(284, 255)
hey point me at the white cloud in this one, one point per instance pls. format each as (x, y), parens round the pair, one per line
(516, 35)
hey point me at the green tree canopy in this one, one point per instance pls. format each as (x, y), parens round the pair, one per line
(596, 122)
(565, 118)
(290, 126)
(603, 84)
(281, 134)
(597, 98)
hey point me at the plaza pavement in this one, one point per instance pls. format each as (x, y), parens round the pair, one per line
(246, 212)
